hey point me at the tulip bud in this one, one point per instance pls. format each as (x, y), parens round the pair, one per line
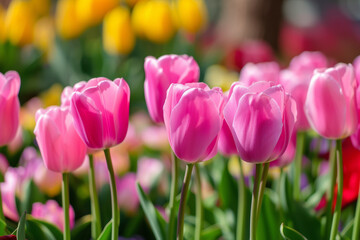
(330, 104)
(261, 118)
(193, 119)
(91, 12)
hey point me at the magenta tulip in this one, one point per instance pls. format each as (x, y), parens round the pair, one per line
(261, 118)
(193, 119)
(330, 104)
(101, 112)
(296, 81)
(9, 106)
(60, 145)
(160, 73)
(128, 199)
(355, 138)
(289, 154)
(252, 73)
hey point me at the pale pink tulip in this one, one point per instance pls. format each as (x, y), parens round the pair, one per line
(252, 73)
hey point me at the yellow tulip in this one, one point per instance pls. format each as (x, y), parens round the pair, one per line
(2, 24)
(138, 18)
(218, 76)
(92, 12)
(118, 36)
(19, 23)
(44, 35)
(159, 24)
(40, 7)
(67, 21)
(51, 96)
(132, 3)
(192, 15)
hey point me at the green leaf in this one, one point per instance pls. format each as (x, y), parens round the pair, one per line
(106, 233)
(3, 230)
(32, 195)
(228, 190)
(211, 233)
(20, 233)
(223, 220)
(82, 229)
(47, 228)
(290, 234)
(151, 214)
(347, 231)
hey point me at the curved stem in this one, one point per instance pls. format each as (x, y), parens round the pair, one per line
(330, 192)
(95, 212)
(199, 210)
(337, 213)
(241, 205)
(254, 202)
(356, 227)
(114, 204)
(184, 190)
(173, 193)
(262, 188)
(65, 203)
(300, 138)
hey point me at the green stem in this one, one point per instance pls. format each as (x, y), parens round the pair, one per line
(2, 217)
(184, 190)
(337, 212)
(241, 205)
(173, 193)
(262, 188)
(65, 203)
(254, 202)
(95, 212)
(300, 138)
(114, 204)
(199, 210)
(330, 192)
(356, 227)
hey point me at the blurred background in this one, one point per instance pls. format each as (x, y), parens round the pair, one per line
(53, 44)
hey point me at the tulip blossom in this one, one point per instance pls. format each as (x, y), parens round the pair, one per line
(261, 118)
(55, 132)
(355, 138)
(297, 78)
(9, 106)
(101, 112)
(160, 73)
(289, 154)
(193, 119)
(330, 104)
(128, 198)
(148, 172)
(52, 212)
(252, 73)
(8, 191)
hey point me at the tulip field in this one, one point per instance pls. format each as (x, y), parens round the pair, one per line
(146, 119)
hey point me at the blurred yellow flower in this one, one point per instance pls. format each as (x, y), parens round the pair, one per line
(51, 96)
(138, 20)
(132, 3)
(40, 7)
(2, 24)
(67, 21)
(159, 24)
(44, 35)
(92, 12)
(118, 36)
(192, 15)
(19, 22)
(219, 76)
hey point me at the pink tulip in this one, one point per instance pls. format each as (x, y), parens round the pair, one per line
(148, 172)
(8, 190)
(4, 164)
(289, 154)
(356, 65)
(193, 119)
(160, 73)
(355, 138)
(297, 78)
(53, 213)
(252, 73)
(330, 104)
(60, 145)
(261, 118)
(101, 112)
(226, 144)
(9, 106)
(128, 199)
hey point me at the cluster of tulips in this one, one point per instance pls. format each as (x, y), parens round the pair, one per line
(257, 120)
